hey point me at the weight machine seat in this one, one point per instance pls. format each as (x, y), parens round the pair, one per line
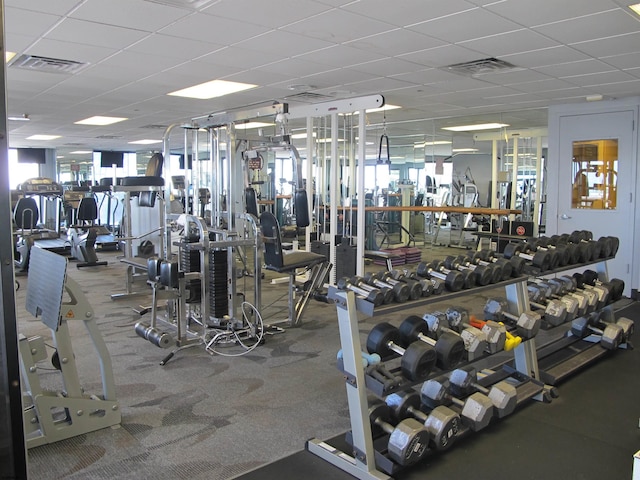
(88, 209)
(274, 257)
(26, 213)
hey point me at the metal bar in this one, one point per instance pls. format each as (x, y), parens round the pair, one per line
(240, 115)
(361, 230)
(536, 210)
(348, 105)
(334, 195)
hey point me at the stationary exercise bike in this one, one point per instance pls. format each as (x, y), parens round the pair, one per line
(82, 236)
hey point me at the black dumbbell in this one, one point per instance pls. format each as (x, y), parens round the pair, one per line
(453, 281)
(408, 440)
(401, 291)
(615, 285)
(571, 248)
(442, 423)
(449, 347)
(415, 289)
(589, 250)
(468, 279)
(540, 259)
(557, 257)
(482, 274)
(374, 296)
(436, 284)
(512, 267)
(418, 359)
(426, 286)
(360, 283)
(498, 272)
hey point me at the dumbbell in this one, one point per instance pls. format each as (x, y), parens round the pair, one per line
(453, 281)
(555, 311)
(610, 337)
(475, 341)
(437, 284)
(359, 282)
(517, 263)
(442, 423)
(539, 295)
(449, 347)
(408, 440)
(541, 259)
(158, 338)
(615, 285)
(458, 320)
(426, 287)
(503, 395)
(415, 289)
(374, 296)
(497, 328)
(501, 267)
(476, 409)
(568, 285)
(468, 279)
(615, 244)
(606, 316)
(559, 254)
(527, 323)
(418, 359)
(483, 275)
(400, 291)
(601, 291)
(590, 249)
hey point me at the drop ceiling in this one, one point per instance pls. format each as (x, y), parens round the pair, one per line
(134, 52)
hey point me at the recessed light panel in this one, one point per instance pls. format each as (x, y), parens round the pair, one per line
(145, 142)
(212, 89)
(473, 128)
(101, 121)
(43, 137)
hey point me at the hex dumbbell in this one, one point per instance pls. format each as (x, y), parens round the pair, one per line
(459, 320)
(418, 359)
(468, 279)
(606, 316)
(482, 274)
(408, 440)
(541, 295)
(554, 311)
(442, 423)
(610, 337)
(541, 259)
(497, 328)
(453, 281)
(475, 341)
(449, 347)
(503, 395)
(401, 291)
(569, 284)
(476, 409)
(601, 291)
(615, 285)
(387, 293)
(374, 296)
(527, 323)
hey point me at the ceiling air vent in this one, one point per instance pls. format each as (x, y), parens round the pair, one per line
(109, 137)
(47, 64)
(190, 4)
(479, 67)
(308, 97)
(153, 126)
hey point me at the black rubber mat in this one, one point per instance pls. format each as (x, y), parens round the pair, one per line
(589, 432)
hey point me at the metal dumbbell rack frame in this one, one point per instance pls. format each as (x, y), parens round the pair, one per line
(366, 460)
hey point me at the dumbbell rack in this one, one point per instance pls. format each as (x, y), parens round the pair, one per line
(367, 460)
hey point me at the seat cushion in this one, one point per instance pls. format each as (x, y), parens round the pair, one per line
(295, 260)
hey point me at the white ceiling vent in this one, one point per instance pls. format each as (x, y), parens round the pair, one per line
(189, 4)
(478, 67)
(308, 97)
(155, 126)
(109, 137)
(47, 64)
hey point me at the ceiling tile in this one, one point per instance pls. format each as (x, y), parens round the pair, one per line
(409, 12)
(16, 20)
(509, 43)
(388, 67)
(337, 26)
(212, 29)
(342, 55)
(174, 47)
(511, 77)
(427, 76)
(599, 78)
(600, 25)
(76, 51)
(296, 67)
(287, 44)
(18, 43)
(396, 42)
(625, 61)
(604, 47)
(239, 58)
(575, 68)
(454, 28)
(273, 14)
(138, 14)
(91, 33)
(442, 56)
(542, 85)
(546, 11)
(618, 89)
(59, 7)
(545, 56)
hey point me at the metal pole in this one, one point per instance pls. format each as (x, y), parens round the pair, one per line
(536, 210)
(13, 456)
(334, 195)
(310, 189)
(362, 145)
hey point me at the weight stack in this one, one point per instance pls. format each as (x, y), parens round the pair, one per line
(218, 285)
(345, 264)
(189, 259)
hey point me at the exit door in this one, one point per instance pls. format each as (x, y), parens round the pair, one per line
(595, 183)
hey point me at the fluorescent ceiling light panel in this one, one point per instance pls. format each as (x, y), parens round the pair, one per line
(473, 128)
(382, 109)
(636, 8)
(145, 142)
(297, 136)
(462, 150)
(8, 56)
(214, 88)
(15, 118)
(43, 137)
(429, 144)
(98, 120)
(81, 152)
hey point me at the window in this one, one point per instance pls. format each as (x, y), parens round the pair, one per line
(594, 174)
(18, 173)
